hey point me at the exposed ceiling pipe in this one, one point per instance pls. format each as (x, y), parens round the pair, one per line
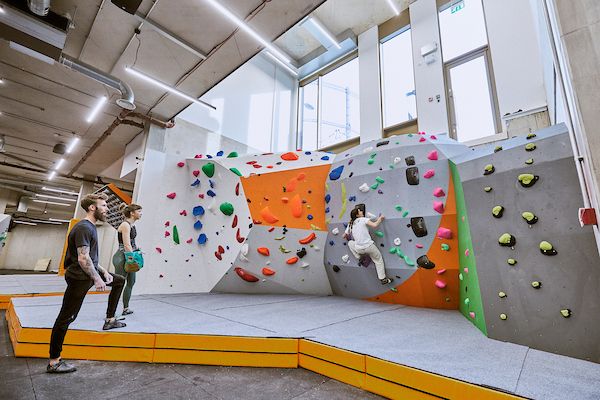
(162, 124)
(127, 100)
(39, 7)
(16, 189)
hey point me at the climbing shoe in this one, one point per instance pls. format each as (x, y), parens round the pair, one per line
(60, 367)
(113, 325)
(386, 281)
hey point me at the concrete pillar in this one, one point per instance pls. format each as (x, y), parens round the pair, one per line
(86, 188)
(370, 85)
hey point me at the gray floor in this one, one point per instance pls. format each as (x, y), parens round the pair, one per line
(24, 378)
(31, 283)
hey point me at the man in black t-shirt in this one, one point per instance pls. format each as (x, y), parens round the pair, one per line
(82, 271)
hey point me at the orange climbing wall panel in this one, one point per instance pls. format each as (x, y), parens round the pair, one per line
(419, 290)
(271, 204)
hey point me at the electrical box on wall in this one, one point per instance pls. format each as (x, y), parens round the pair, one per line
(428, 52)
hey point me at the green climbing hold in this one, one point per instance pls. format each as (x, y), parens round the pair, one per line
(530, 147)
(233, 154)
(445, 247)
(408, 261)
(226, 208)
(235, 171)
(497, 149)
(506, 239)
(405, 213)
(547, 249)
(497, 211)
(528, 180)
(488, 169)
(393, 289)
(511, 261)
(566, 312)
(371, 161)
(467, 301)
(379, 179)
(536, 284)
(399, 252)
(175, 234)
(375, 186)
(393, 250)
(503, 317)
(529, 217)
(379, 234)
(531, 136)
(460, 276)
(398, 208)
(501, 295)
(209, 169)
(529, 161)
(487, 189)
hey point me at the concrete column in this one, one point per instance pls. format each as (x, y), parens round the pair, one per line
(86, 188)
(370, 85)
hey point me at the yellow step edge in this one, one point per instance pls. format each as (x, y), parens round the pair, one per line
(394, 391)
(87, 352)
(234, 359)
(334, 371)
(226, 343)
(90, 338)
(332, 354)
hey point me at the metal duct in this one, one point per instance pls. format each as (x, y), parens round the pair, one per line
(39, 7)
(127, 99)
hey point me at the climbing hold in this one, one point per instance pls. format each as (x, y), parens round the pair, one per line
(472, 315)
(460, 276)
(375, 186)
(440, 284)
(441, 271)
(290, 156)
(410, 160)
(233, 154)
(425, 262)
(467, 300)
(536, 284)
(430, 173)
(397, 160)
(528, 180)
(438, 192)
(379, 179)
(364, 188)
(235, 221)
(418, 226)
(466, 270)
(433, 155)
(531, 136)
(172, 195)
(183, 212)
(198, 210)
(566, 313)
(336, 268)
(488, 169)
(210, 193)
(466, 252)
(308, 239)
(196, 172)
(398, 207)
(220, 153)
(235, 171)
(529, 217)
(422, 139)
(209, 169)
(301, 253)
(167, 223)
(501, 295)
(202, 238)
(497, 211)
(197, 225)
(503, 317)
(511, 261)
(379, 234)
(292, 260)
(335, 231)
(487, 189)
(180, 164)
(438, 206)
(327, 198)
(268, 216)
(529, 161)
(167, 233)
(497, 149)
(190, 240)
(445, 247)
(412, 175)
(245, 275)
(268, 271)
(547, 249)
(263, 251)
(408, 261)
(444, 233)
(226, 208)
(336, 173)
(507, 240)
(158, 249)
(296, 206)
(393, 250)
(530, 147)
(397, 241)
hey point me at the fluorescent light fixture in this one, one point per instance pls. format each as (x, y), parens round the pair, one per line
(24, 222)
(52, 202)
(96, 109)
(1, 81)
(393, 7)
(73, 144)
(324, 31)
(2, 10)
(166, 87)
(49, 189)
(58, 220)
(47, 196)
(59, 164)
(32, 53)
(242, 25)
(44, 221)
(284, 65)
(52, 175)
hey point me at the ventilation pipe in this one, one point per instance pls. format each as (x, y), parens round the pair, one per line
(127, 97)
(39, 7)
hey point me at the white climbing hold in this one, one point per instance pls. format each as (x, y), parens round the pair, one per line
(371, 215)
(397, 241)
(345, 258)
(305, 265)
(367, 149)
(364, 188)
(316, 248)
(335, 231)
(268, 263)
(397, 160)
(244, 249)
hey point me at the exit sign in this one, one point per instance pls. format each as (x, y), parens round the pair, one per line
(457, 7)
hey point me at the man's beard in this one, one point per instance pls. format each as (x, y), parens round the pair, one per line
(99, 216)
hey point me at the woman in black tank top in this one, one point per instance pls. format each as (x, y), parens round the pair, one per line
(126, 234)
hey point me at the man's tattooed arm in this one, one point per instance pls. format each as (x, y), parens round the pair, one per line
(86, 263)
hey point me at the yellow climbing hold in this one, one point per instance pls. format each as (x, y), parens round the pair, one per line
(344, 201)
(501, 295)
(503, 317)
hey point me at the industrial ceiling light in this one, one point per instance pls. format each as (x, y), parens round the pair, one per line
(47, 196)
(58, 220)
(393, 7)
(284, 65)
(49, 189)
(72, 144)
(168, 88)
(52, 202)
(51, 176)
(2, 143)
(96, 109)
(24, 222)
(328, 35)
(242, 25)
(59, 164)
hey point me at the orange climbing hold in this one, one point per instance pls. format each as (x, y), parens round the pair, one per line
(285, 199)
(268, 216)
(292, 260)
(301, 176)
(291, 185)
(308, 239)
(296, 205)
(268, 271)
(290, 156)
(245, 275)
(264, 251)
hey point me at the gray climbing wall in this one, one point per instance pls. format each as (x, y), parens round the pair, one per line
(568, 281)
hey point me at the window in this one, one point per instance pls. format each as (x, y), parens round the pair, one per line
(397, 79)
(462, 29)
(329, 108)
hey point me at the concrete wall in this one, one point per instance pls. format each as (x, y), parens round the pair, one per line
(26, 244)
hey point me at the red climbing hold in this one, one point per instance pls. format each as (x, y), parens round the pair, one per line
(235, 221)
(271, 229)
(201, 195)
(245, 275)
(292, 260)
(190, 240)
(172, 195)
(221, 250)
(167, 233)
(237, 189)
(198, 156)
(422, 139)
(269, 166)
(180, 164)
(167, 223)
(251, 162)
(159, 250)
(196, 172)
(290, 156)
(264, 251)
(308, 239)
(183, 212)
(218, 256)
(268, 271)
(257, 165)
(238, 237)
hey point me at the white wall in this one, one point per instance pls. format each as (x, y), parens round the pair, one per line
(26, 244)
(370, 85)
(254, 106)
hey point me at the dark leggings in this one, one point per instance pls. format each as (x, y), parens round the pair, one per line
(119, 263)
(72, 301)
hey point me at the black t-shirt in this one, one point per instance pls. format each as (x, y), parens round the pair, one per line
(83, 234)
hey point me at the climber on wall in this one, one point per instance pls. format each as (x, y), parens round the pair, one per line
(360, 242)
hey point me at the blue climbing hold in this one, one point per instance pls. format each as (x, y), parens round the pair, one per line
(212, 184)
(308, 153)
(325, 158)
(202, 238)
(326, 210)
(327, 198)
(335, 174)
(331, 242)
(198, 225)
(196, 183)
(198, 210)
(309, 217)
(352, 198)
(208, 156)
(220, 153)
(211, 193)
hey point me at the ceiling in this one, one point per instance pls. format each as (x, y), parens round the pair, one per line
(42, 105)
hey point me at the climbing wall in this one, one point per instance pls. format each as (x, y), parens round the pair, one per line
(537, 268)
(407, 179)
(4, 224)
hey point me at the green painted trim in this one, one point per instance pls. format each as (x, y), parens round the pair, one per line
(469, 285)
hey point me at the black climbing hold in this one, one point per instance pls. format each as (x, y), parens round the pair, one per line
(425, 262)
(418, 226)
(497, 211)
(301, 253)
(384, 143)
(412, 175)
(410, 160)
(336, 268)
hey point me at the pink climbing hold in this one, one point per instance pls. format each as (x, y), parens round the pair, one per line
(440, 284)
(190, 240)
(421, 132)
(167, 233)
(180, 164)
(196, 172)
(167, 223)
(159, 250)
(172, 195)
(419, 246)
(439, 192)
(467, 252)
(198, 156)
(433, 155)
(466, 270)
(441, 271)
(183, 212)
(201, 195)
(472, 315)
(422, 139)
(430, 173)
(438, 206)
(444, 233)
(433, 137)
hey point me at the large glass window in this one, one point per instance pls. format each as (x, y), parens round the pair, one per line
(397, 80)
(329, 108)
(462, 28)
